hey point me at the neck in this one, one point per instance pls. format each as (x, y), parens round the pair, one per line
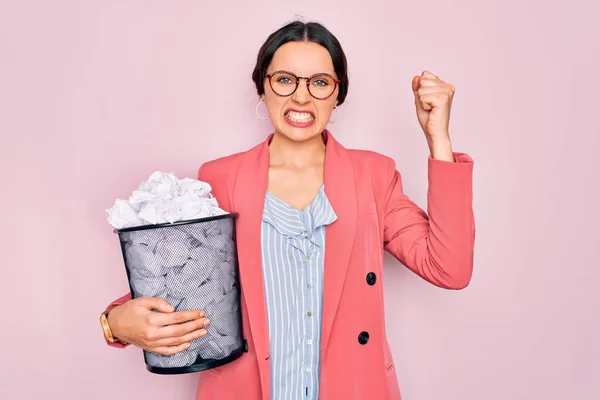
(284, 152)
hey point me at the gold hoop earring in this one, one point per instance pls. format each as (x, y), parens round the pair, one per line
(257, 113)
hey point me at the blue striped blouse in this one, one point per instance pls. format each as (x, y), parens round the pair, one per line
(293, 248)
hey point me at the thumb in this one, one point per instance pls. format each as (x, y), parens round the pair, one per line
(157, 303)
(416, 82)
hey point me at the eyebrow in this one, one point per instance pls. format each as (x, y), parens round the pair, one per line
(292, 73)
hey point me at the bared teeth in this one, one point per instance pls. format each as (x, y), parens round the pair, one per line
(299, 116)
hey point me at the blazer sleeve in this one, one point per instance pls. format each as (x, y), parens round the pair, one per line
(437, 245)
(121, 300)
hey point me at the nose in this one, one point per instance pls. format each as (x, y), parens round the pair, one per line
(301, 95)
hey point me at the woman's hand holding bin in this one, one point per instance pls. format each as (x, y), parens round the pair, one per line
(164, 331)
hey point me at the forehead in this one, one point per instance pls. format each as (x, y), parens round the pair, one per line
(302, 58)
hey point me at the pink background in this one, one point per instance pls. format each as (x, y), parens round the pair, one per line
(97, 95)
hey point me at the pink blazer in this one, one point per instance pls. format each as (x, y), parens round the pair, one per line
(374, 215)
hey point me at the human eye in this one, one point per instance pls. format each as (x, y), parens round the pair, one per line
(321, 81)
(285, 79)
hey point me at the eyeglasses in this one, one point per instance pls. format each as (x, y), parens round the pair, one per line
(320, 86)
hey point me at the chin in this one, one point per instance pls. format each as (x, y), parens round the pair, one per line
(297, 134)
(303, 135)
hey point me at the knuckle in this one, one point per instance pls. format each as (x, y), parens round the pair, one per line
(182, 338)
(171, 341)
(161, 351)
(188, 337)
(197, 333)
(185, 326)
(193, 325)
(179, 317)
(176, 341)
(148, 335)
(179, 331)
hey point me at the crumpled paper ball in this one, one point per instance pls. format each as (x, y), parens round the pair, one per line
(164, 198)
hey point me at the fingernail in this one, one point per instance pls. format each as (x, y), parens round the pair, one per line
(187, 345)
(206, 322)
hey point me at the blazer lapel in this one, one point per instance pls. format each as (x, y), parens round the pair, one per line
(340, 189)
(248, 200)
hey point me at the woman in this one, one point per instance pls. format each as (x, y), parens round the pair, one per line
(314, 219)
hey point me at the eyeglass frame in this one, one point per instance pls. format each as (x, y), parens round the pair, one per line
(335, 80)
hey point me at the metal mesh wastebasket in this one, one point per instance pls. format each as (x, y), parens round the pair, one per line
(194, 266)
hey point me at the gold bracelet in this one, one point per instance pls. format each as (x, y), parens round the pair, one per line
(108, 335)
